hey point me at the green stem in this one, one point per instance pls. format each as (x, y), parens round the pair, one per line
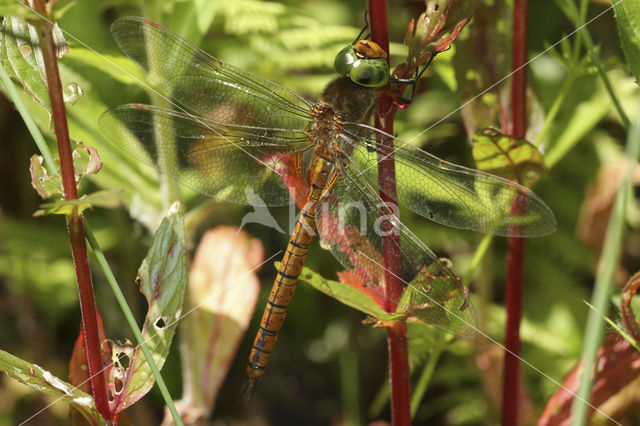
(425, 379)
(553, 111)
(604, 279)
(572, 13)
(477, 258)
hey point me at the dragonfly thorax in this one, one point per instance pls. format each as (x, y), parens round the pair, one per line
(352, 102)
(342, 103)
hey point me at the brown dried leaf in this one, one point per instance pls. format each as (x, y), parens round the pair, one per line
(46, 186)
(223, 291)
(598, 204)
(86, 160)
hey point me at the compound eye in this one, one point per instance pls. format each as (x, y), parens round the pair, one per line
(370, 72)
(344, 60)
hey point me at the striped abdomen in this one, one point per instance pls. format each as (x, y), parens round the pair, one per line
(288, 273)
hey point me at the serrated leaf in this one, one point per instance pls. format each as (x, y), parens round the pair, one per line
(224, 286)
(108, 199)
(46, 186)
(162, 277)
(40, 379)
(346, 294)
(628, 19)
(502, 155)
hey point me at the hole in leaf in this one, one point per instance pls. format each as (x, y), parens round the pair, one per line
(123, 360)
(160, 323)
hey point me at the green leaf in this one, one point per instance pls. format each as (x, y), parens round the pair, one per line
(192, 19)
(502, 155)
(629, 338)
(108, 199)
(628, 19)
(163, 279)
(62, 7)
(346, 294)
(21, 55)
(36, 377)
(15, 8)
(117, 67)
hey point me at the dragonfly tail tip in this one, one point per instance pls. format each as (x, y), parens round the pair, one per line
(249, 385)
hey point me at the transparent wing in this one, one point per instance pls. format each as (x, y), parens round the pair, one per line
(453, 195)
(351, 222)
(203, 85)
(229, 162)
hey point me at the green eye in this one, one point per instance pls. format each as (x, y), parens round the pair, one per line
(344, 60)
(370, 72)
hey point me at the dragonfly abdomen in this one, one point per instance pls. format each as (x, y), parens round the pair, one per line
(287, 277)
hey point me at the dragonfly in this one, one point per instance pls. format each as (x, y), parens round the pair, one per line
(233, 135)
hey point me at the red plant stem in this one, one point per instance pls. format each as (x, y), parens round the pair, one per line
(399, 372)
(75, 226)
(515, 255)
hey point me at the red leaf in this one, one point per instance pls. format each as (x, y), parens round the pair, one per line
(618, 364)
(350, 279)
(630, 321)
(79, 365)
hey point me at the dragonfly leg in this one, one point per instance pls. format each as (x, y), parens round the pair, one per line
(401, 101)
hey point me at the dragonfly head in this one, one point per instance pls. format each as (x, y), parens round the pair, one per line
(364, 62)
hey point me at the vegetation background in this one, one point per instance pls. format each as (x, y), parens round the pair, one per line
(328, 368)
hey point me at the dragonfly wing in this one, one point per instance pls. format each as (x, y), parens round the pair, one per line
(199, 83)
(350, 223)
(232, 163)
(454, 195)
